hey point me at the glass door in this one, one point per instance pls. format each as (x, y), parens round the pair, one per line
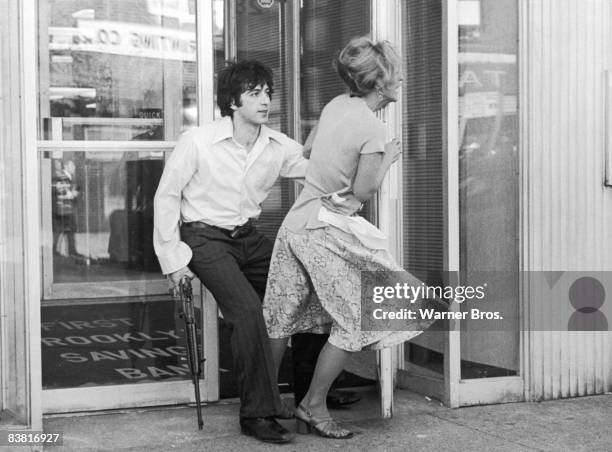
(118, 83)
(489, 198)
(326, 26)
(264, 31)
(298, 41)
(461, 192)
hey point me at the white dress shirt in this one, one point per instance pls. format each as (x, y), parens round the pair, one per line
(209, 177)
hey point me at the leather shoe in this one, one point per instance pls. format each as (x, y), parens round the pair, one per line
(266, 430)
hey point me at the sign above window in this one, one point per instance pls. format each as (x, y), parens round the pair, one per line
(122, 38)
(265, 3)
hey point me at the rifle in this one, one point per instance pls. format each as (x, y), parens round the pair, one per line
(194, 353)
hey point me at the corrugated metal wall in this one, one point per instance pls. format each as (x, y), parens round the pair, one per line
(567, 46)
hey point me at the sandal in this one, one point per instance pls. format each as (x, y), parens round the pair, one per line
(324, 427)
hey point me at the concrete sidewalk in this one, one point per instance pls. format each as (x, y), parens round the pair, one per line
(418, 424)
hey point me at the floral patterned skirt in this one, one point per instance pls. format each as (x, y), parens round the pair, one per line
(314, 285)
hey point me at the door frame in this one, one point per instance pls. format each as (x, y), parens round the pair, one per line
(478, 391)
(386, 25)
(24, 346)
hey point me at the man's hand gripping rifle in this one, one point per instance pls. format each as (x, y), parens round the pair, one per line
(194, 352)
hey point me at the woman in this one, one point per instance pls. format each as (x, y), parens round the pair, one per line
(314, 278)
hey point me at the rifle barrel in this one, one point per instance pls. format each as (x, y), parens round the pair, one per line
(193, 355)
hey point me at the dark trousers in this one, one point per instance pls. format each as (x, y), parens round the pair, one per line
(235, 271)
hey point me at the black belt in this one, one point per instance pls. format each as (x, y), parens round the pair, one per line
(236, 233)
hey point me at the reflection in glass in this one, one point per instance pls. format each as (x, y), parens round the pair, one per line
(116, 70)
(65, 195)
(102, 209)
(488, 179)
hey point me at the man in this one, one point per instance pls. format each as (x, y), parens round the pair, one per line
(210, 192)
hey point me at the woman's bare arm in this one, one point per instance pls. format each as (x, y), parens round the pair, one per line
(308, 144)
(372, 169)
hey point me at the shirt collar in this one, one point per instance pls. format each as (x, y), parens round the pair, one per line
(265, 135)
(225, 130)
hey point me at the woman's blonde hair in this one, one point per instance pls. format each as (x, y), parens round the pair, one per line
(365, 65)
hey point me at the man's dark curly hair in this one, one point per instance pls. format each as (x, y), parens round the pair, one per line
(236, 78)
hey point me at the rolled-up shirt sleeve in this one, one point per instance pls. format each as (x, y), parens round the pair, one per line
(173, 254)
(294, 163)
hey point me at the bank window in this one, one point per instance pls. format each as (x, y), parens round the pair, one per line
(117, 86)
